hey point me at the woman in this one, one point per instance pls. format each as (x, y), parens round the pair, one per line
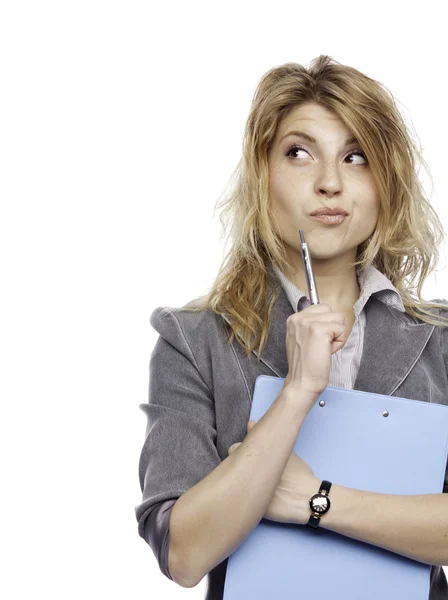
(327, 137)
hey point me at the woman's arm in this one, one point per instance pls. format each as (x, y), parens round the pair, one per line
(415, 526)
(219, 501)
(211, 519)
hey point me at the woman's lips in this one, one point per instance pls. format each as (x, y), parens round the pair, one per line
(329, 219)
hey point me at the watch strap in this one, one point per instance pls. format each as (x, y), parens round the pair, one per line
(325, 486)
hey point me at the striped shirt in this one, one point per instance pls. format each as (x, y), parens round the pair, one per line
(345, 362)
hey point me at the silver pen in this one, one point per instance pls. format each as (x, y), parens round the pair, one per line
(312, 290)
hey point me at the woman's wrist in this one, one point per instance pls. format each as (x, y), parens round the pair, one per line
(299, 399)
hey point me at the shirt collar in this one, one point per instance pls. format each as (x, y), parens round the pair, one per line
(371, 281)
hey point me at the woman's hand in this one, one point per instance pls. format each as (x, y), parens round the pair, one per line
(290, 502)
(312, 336)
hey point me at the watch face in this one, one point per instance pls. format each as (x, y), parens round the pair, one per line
(320, 503)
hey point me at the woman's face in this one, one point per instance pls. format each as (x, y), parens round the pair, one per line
(324, 173)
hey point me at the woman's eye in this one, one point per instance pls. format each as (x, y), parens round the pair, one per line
(354, 153)
(288, 153)
(358, 153)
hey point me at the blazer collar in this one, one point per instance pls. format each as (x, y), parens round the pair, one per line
(391, 337)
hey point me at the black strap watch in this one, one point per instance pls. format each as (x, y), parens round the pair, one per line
(319, 504)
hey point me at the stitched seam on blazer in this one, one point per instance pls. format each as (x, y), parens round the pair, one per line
(182, 413)
(242, 372)
(414, 363)
(442, 352)
(194, 363)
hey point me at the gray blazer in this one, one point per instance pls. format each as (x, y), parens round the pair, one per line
(201, 387)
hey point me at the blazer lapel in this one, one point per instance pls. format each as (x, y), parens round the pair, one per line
(393, 342)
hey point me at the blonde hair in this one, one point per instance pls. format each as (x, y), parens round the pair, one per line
(405, 242)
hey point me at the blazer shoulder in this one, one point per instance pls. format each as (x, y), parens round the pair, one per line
(174, 324)
(443, 301)
(443, 310)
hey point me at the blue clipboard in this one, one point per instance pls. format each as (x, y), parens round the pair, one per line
(347, 440)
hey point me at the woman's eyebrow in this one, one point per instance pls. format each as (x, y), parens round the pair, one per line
(309, 138)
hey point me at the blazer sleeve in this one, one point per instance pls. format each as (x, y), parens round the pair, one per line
(180, 440)
(157, 533)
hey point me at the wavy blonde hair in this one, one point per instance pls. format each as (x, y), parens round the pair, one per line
(405, 242)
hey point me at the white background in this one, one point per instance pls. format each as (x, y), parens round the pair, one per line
(121, 123)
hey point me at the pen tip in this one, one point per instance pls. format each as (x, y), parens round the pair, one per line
(302, 238)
